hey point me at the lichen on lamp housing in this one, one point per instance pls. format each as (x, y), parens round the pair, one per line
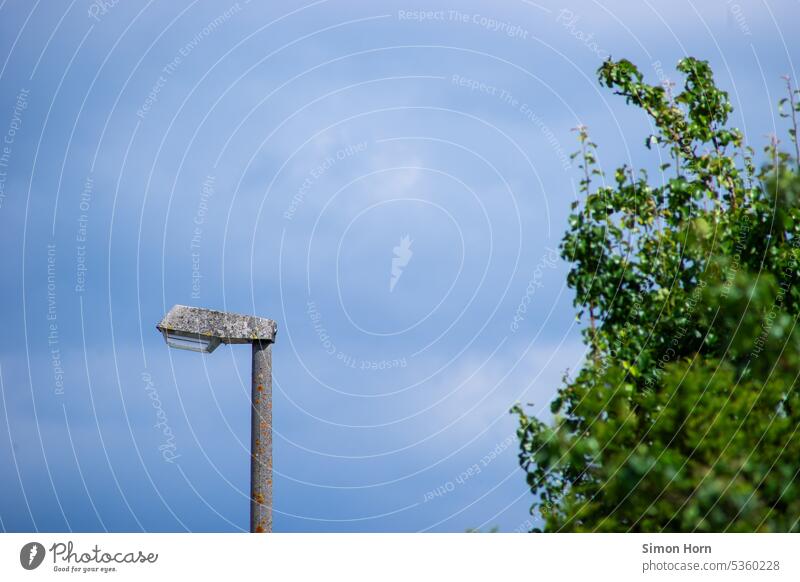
(229, 328)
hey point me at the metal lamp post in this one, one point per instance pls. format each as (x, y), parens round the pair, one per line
(202, 330)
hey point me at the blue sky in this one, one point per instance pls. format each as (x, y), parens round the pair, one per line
(270, 160)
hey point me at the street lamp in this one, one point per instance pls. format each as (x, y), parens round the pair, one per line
(202, 330)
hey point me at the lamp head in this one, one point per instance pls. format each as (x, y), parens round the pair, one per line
(202, 330)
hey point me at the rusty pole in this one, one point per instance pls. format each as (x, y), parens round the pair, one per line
(261, 439)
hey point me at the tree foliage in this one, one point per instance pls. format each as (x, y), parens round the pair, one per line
(685, 414)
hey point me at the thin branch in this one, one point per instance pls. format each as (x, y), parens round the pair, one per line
(793, 106)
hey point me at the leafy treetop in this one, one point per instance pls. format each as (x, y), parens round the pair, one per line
(684, 415)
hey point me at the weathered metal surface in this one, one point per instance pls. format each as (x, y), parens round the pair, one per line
(261, 440)
(230, 328)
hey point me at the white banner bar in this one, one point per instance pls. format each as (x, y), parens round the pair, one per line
(387, 557)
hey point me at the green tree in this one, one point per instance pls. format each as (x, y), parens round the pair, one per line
(685, 414)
